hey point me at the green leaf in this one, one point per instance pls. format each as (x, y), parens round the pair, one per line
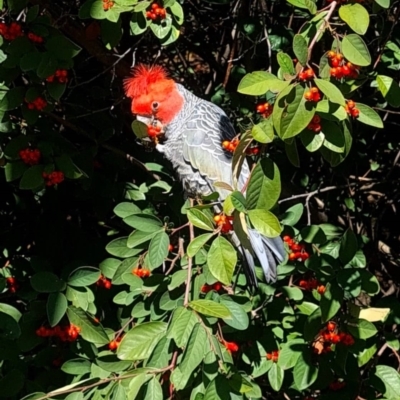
(200, 219)
(158, 249)
(292, 112)
(239, 318)
(32, 178)
(369, 116)
(305, 372)
(30, 61)
(138, 25)
(238, 201)
(300, 49)
(286, 63)
(177, 12)
(47, 66)
(56, 308)
(362, 329)
(263, 132)
(265, 222)
(137, 238)
(76, 366)
(391, 379)
(348, 246)
(192, 357)
(275, 377)
(154, 390)
(143, 222)
(290, 353)
(56, 90)
(14, 170)
(260, 82)
(9, 328)
(221, 260)
(198, 243)
(350, 281)
(355, 50)
(140, 341)
(210, 308)
(312, 141)
(332, 93)
(162, 29)
(355, 16)
(90, 331)
(126, 209)
(84, 276)
(181, 326)
(47, 282)
(264, 186)
(11, 311)
(292, 153)
(390, 89)
(292, 215)
(118, 247)
(331, 301)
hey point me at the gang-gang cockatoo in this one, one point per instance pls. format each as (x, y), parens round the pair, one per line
(194, 130)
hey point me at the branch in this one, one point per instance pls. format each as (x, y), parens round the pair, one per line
(321, 28)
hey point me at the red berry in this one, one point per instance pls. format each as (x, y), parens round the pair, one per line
(331, 326)
(112, 345)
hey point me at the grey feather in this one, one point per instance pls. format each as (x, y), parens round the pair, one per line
(193, 145)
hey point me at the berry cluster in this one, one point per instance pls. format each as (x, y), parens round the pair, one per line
(313, 95)
(224, 222)
(107, 4)
(329, 336)
(104, 282)
(217, 286)
(35, 38)
(315, 124)
(265, 109)
(340, 68)
(12, 284)
(65, 334)
(274, 355)
(337, 385)
(230, 145)
(307, 75)
(30, 156)
(113, 345)
(297, 250)
(53, 178)
(351, 109)
(153, 131)
(312, 284)
(156, 12)
(232, 347)
(12, 31)
(252, 151)
(141, 272)
(60, 76)
(38, 104)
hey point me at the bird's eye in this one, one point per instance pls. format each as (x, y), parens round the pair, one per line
(155, 105)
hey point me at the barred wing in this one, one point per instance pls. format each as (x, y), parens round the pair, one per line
(203, 135)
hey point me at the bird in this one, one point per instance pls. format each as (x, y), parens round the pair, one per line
(194, 130)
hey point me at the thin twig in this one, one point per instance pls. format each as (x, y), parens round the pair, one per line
(321, 28)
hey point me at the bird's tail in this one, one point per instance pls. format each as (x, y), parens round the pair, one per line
(269, 251)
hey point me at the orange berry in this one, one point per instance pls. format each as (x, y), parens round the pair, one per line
(351, 104)
(331, 326)
(112, 345)
(225, 144)
(308, 95)
(321, 289)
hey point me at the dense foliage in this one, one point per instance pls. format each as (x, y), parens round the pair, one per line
(115, 286)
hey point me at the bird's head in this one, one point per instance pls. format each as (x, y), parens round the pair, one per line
(153, 94)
